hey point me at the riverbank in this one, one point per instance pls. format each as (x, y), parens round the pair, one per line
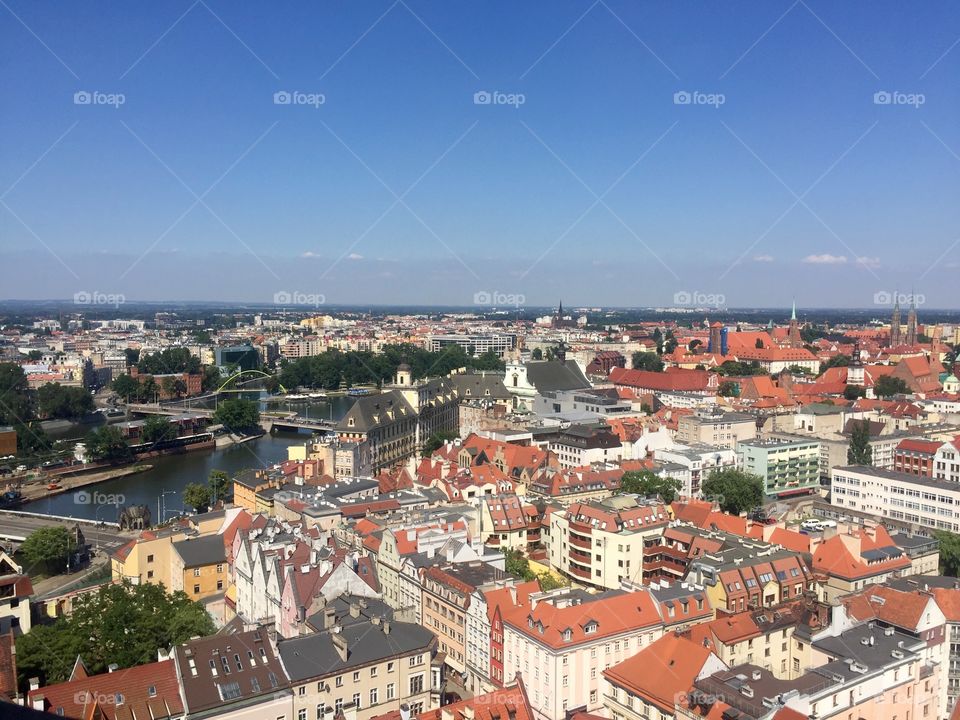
(40, 490)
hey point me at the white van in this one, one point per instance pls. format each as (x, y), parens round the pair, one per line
(811, 524)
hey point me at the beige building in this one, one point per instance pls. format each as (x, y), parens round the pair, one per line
(713, 426)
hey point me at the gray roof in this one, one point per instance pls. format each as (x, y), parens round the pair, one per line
(206, 550)
(479, 385)
(372, 411)
(315, 656)
(555, 375)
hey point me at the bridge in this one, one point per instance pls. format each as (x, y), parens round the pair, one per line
(169, 409)
(295, 422)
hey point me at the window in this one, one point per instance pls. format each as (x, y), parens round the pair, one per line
(338, 705)
(391, 691)
(152, 691)
(196, 572)
(356, 676)
(149, 558)
(373, 671)
(219, 568)
(339, 682)
(302, 714)
(356, 700)
(389, 667)
(373, 696)
(196, 589)
(416, 684)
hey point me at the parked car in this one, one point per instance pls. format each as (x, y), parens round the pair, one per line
(812, 524)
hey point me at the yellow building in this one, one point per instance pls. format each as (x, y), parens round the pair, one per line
(199, 566)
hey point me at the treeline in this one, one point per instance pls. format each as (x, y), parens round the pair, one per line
(334, 368)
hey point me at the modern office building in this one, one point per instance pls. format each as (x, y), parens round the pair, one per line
(788, 467)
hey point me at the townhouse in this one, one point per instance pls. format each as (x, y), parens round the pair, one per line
(369, 666)
(714, 426)
(852, 560)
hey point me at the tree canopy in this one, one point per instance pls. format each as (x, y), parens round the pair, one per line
(888, 385)
(46, 549)
(736, 491)
(170, 360)
(647, 482)
(107, 443)
(860, 452)
(333, 367)
(949, 552)
(197, 496)
(237, 415)
(647, 361)
(123, 624)
(59, 401)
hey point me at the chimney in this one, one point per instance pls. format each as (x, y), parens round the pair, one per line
(340, 645)
(112, 667)
(386, 627)
(34, 684)
(405, 712)
(354, 610)
(375, 620)
(329, 617)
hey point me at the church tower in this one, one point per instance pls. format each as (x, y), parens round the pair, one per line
(895, 323)
(912, 323)
(794, 333)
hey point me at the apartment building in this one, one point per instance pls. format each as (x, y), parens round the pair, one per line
(370, 667)
(584, 445)
(930, 502)
(562, 641)
(199, 567)
(946, 461)
(713, 426)
(601, 543)
(853, 559)
(692, 464)
(915, 457)
(788, 467)
(387, 423)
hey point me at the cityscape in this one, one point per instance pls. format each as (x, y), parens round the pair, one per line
(408, 360)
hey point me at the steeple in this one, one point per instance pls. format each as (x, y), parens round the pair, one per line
(793, 335)
(793, 314)
(912, 321)
(895, 321)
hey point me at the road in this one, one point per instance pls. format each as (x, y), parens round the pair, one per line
(17, 526)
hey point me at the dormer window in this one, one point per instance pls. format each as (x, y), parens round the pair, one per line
(590, 627)
(567, 635)
(351, 422)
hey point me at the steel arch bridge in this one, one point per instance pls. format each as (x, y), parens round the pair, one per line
(258, 373)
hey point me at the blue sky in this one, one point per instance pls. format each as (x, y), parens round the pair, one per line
(588, 178)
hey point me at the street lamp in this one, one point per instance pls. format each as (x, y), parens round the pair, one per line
(162, 496)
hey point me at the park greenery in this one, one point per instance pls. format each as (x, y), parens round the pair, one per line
(170, 360)
(332, 369)
(647, 361)
(122, 624)
(106, 443)
(56, 401)
(735, 490)
(201, 497)
(949, 552)
(887, 385)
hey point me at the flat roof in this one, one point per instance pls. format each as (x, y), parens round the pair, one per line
(884, 474)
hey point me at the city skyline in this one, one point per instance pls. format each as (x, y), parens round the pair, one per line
(414, 154)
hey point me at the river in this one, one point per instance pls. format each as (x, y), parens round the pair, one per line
(171, 473)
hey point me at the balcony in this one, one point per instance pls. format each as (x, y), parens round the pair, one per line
(578, 542)
(580, 527)
(580, 572)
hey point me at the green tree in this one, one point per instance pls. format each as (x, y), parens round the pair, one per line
(437, 441)
(237, 415)
(735, 490)
(173, 386)
(729, 389)
(648, 483)
(58, 401)
(888, 385)
(158, 428)
(537, 354)
(516, 564)
(852, 392)
(170, 360)
(836, 361)
(211, 379)
(647, 361)
(122, 623)
(548, 581)
(126, 387)
(220, 485)
(107, 443)
(860, 451)
(133, 356)
(15, 403)
(34, 355)
(47, 549)
(949, 552)
(197, 496)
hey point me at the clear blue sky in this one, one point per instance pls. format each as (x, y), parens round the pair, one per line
(303, 198)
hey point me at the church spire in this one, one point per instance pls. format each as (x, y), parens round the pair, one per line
(793, 313)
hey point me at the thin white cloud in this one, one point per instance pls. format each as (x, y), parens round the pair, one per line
(354, 256)
(763, 258)
(309, 254)
(825, 259)
(869, 262)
